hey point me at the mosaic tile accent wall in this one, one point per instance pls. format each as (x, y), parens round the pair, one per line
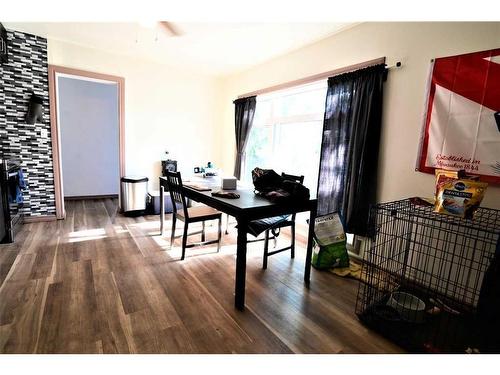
(25, 73)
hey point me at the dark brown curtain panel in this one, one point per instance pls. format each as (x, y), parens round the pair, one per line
(349, 150)
(244, 113)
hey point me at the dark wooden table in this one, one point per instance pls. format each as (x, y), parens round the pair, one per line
(245, 209)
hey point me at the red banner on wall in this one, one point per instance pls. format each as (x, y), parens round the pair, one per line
(462, 121)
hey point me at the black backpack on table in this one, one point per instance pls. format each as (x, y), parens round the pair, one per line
(276, 188)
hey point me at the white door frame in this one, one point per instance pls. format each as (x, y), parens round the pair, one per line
(54, 72)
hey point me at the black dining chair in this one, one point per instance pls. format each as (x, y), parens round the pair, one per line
(272, 226)
(189, 214)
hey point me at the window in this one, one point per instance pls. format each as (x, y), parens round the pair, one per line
(286, 133)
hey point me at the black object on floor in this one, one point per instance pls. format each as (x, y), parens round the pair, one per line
(153, 203)
(488, 307)
(12, 183)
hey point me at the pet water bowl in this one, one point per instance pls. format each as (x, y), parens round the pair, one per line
(410, 307)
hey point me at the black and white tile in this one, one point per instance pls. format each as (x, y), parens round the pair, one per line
(25, 73)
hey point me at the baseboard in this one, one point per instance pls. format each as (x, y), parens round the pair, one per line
(80, 197)
(38, 219)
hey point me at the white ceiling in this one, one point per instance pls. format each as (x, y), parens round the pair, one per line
(212, 48)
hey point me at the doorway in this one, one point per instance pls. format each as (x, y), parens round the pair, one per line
(88, 137)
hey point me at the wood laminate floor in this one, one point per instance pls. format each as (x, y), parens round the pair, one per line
(99, 282)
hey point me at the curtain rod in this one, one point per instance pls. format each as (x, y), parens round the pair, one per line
(315, 77)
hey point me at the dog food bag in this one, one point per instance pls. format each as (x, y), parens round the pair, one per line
(460, 197)
(443, 176)
(329, 243)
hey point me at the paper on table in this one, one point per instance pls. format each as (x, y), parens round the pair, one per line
(197, 187)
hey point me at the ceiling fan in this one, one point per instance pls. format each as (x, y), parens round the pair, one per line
(157, 27)
(170, 28)
(167, 27)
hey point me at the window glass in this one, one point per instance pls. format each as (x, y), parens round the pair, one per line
(286, 133)
(310, 101)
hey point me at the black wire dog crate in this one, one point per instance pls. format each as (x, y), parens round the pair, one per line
(422, 275)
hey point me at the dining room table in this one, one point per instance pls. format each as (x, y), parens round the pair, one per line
(248, 207)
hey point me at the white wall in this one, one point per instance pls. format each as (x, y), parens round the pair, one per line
(165, 108)
(89, 133)
(414, 44)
